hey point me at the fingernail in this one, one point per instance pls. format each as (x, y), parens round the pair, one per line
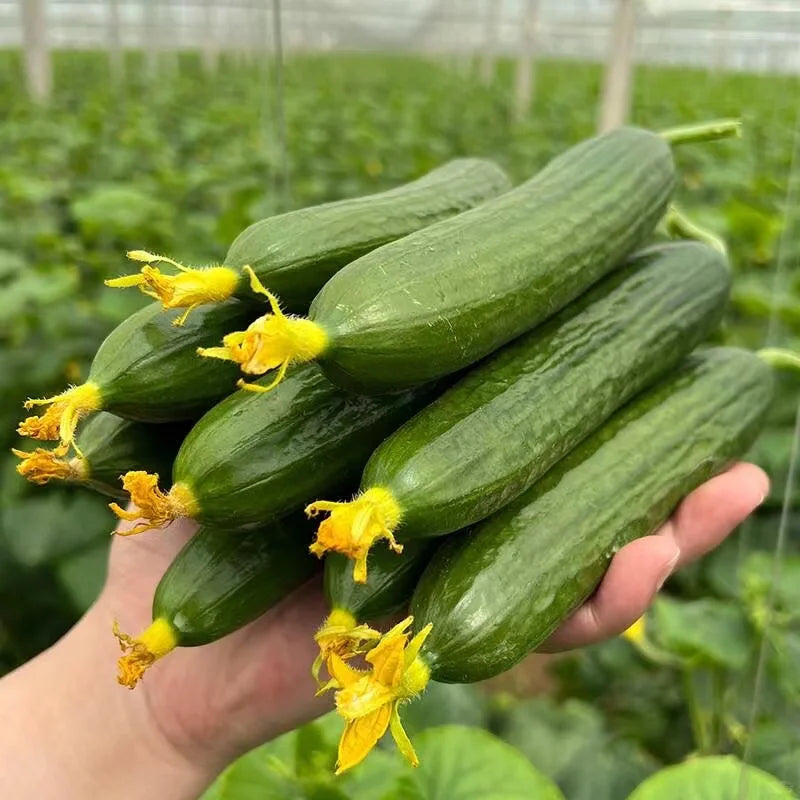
(668, 567)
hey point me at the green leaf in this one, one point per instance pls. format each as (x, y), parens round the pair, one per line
(703, 632)
(53, 523)
(458, 763)
(776, 748)
(570, 744)
(713, 778)
(82, 574)
(446, 704)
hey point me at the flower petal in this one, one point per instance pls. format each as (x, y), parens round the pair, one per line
(401, 737)
(360, 736)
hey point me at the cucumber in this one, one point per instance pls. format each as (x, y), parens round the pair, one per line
(256, 457)
(496, 431)
(390, 585)
(442, 298)
(496, 593)
(218, 583)
(145, 371)
(388, 590)
(295, 253)
(107, 447)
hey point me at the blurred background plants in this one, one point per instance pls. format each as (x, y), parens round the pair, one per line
(181, 164)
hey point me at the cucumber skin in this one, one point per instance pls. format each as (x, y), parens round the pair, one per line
(391, 579)
(294, 254)
(112, 446)
(449, 294)
(532, 402)
(494, 594)
(148, 370)
(222, 580)
(255, 457)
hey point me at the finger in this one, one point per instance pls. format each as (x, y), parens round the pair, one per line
(713, 510)
(634, 576)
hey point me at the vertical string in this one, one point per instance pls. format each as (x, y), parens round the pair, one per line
(786, 505)
(778, 280)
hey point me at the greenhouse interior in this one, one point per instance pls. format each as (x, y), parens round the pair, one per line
(400, 400)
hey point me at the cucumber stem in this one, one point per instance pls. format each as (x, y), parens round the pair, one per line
(677, 224)
(780, 358)
(703, 132)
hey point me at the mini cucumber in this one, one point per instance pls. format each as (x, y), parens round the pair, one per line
(107, 446)
(500, 428)
(447, 295)
(390, 585)
(255, 457)
(148, 371)
(296, 252)
(388, 589)
(494, 594)
(218, 583)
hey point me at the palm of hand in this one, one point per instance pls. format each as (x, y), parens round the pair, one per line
(233, 694)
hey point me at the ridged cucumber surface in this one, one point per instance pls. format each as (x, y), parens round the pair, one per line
(221, 581)
(444, 297)
(495, 593)
(148, 370)
(255, 457)
(295, 253)
(390, 583)
(502, 426)
(111, 446)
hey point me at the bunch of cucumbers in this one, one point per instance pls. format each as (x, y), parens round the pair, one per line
(485, 391)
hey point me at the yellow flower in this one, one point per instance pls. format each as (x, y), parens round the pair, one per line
(352, 528)
(42, 466)
(62, 414)
(273, 341)
(636, 632)
(156, 507)
(341, 635)
(369, 701)
(190, 288)
(140, 652)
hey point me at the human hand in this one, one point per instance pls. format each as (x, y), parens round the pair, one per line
(199, 708)
(255, 684)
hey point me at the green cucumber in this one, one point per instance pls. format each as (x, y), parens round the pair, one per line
(148, 371)
(388, 589)
(255, 457)
(296, 252)
(107, 446)
(218, 583)
(446, 296)
(496, 593)
(497, 430)
(390, 584)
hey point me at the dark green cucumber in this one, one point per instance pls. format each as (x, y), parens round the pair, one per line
(390, 581)
(495, 593)
(500, 428)
(111, 446)
(449, 294)
(295, 253)
(105, 448)
(255, 456)
(218, 583)
(145, 370)
(221, 580)
(148, 370)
